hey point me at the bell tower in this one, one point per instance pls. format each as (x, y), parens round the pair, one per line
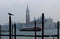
(27, 15)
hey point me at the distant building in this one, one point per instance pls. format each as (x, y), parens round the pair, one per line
(48, 23)
(27, 15)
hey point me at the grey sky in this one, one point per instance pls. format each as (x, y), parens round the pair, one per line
(51, 8)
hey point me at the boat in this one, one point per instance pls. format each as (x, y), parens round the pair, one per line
(31, 29)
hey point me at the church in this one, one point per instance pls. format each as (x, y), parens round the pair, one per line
(48, 23)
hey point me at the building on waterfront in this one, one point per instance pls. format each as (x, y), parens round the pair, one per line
(48, 23)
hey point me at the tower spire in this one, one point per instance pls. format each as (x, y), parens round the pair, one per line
(27, 6)
(27, 10)
(27, 15)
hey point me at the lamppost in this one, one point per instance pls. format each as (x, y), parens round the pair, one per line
(10, 24)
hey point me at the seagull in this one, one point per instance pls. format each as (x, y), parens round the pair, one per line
(10, 14)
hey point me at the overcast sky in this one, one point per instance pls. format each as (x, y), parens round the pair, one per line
(51, 8)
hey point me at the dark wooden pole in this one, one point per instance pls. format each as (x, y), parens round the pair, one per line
(0, 31)
(35, 29)
(58, 29)
(42, 25)
(9, 27)
(14, 31)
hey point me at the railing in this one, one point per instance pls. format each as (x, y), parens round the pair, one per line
(11, 35)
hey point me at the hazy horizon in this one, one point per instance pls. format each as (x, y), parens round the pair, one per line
(51, 9)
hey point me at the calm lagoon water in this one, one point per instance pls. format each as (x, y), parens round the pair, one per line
(46, 32)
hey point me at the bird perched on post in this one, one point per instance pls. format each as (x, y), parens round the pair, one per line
(10, 14)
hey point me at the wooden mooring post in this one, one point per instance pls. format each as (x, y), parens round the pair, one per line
(42, 25)
(58, 30)
(0, 31)
(14, 30)
(10, 33)
(9, 27)
(35, 29)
